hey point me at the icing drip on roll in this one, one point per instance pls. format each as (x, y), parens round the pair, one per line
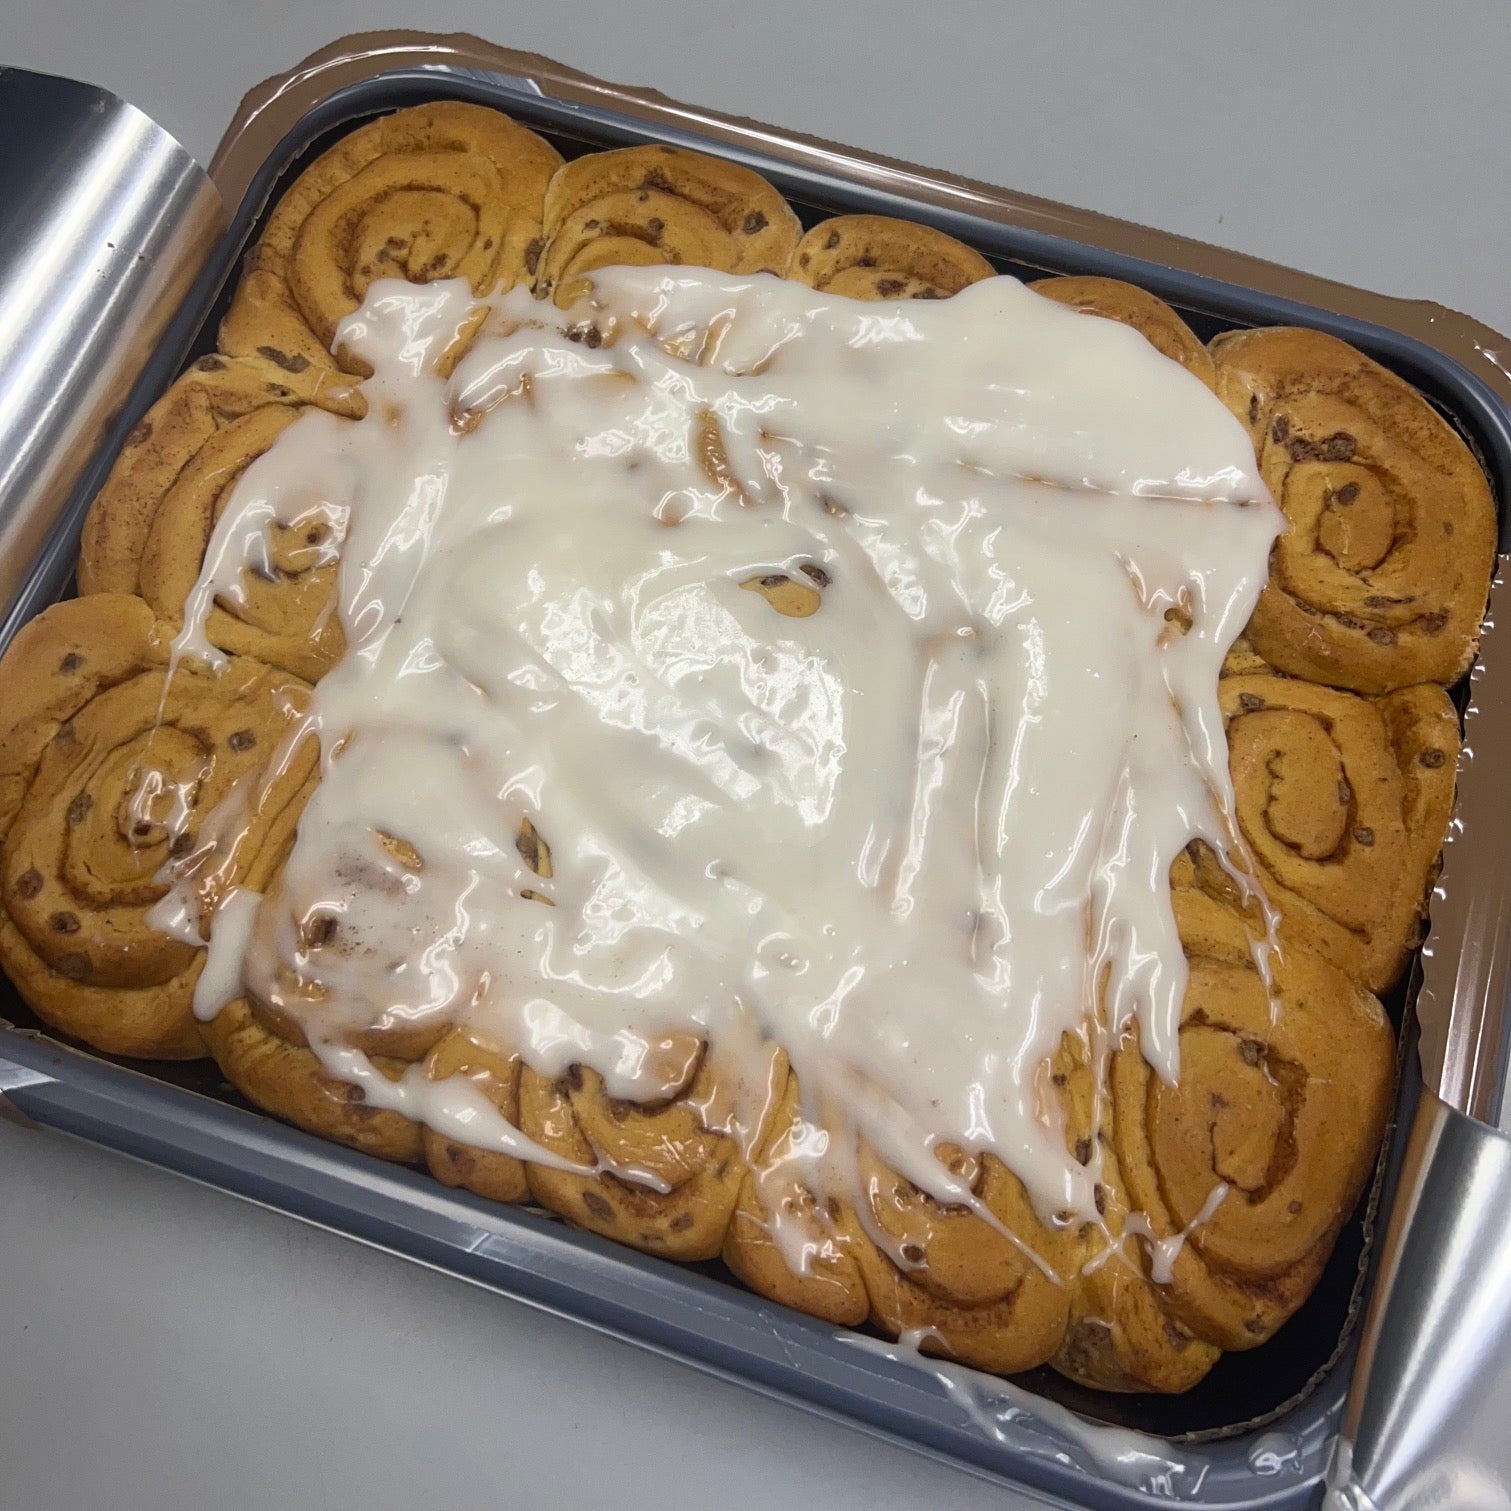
(856, 663)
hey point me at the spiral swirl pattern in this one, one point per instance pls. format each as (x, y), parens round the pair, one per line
(1381, 576)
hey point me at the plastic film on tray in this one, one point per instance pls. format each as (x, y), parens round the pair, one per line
(640, 1015)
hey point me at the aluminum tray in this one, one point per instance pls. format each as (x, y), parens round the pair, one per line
(1261, 1431)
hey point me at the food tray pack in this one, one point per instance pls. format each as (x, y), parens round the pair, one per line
(1270, 1417)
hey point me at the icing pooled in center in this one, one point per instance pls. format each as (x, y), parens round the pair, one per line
(732, 665)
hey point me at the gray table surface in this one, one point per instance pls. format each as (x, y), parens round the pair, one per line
(164, 1347)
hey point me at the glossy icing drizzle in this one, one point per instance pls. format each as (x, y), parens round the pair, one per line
(856, 664)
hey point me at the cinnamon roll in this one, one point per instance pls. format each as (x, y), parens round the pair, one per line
(983, 1284)
(445, 190)
(1342, 802)
(1381, 576)
(1222, 1193)
(876, 257)
(150, 525)
(494, 1072)
(784, 1241)
(665, 1176)
(643, 206)
(288, 1080)
(111, 761)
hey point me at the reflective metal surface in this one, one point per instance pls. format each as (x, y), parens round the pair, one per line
(15, 1078)
(1466, 961)
(1428, 1422)
(104, 221)
(1432, 1426)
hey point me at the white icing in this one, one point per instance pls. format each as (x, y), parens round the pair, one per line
(220, 980)
(1273, 1453)
(904, 836)
(455, 1107)
(1030, 1424)
(1163, 1252)
(177, 915)
(146, 808)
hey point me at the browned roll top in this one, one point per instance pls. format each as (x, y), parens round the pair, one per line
(662, 1179)
(988, 1292)
(1284, 1105)
(645, 206)
(148, 528)
(445, 190)
(1380, 578)
(1342, 802)
(876, 257)
(981, 1280)
(109, 766)
(1224, 1192)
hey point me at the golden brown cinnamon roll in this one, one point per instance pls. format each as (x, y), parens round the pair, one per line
(270, 1042)
(264, 1051)
(148, 528)
(780, 1241)
(1152, 318)
(670, 1176)
(494, 1072)
(110, 765)
(216, 394)
(665, 1176)
(286, 1079)
(1343, 802)
(1381, 576)
(273, 1043)
(1225, 1191)
(643, 206)
(1282, 1098)
(990, 1294)
(876, 257)
(1119, 1335)
(446, 190)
